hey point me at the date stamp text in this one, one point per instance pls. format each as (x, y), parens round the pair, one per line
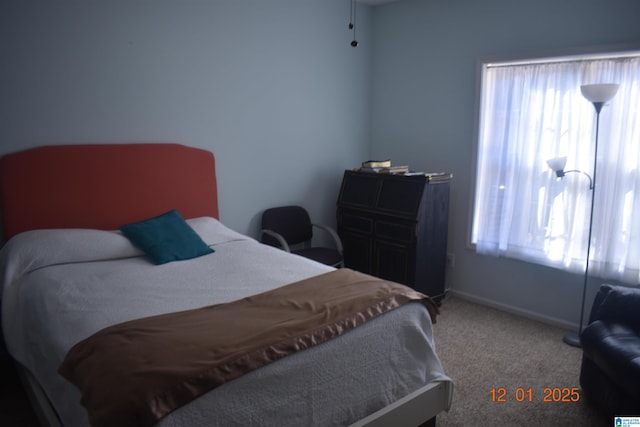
(527, 394)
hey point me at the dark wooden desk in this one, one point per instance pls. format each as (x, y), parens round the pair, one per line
(395, 227)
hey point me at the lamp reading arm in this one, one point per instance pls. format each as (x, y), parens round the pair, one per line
(561, 173)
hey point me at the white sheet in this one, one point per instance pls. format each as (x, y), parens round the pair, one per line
(60, 286)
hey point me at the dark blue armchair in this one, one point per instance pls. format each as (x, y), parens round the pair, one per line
(610, 372)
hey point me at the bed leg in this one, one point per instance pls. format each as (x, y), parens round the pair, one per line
(429, 423)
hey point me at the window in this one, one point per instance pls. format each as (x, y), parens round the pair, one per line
(531, 112)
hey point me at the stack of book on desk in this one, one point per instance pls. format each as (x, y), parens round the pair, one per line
(382, 166)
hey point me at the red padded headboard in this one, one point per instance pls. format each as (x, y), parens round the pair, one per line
(103, 186)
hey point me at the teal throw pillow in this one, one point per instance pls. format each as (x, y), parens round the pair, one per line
(166, 238)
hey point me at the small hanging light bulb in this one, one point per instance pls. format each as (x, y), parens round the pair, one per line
(352, 23)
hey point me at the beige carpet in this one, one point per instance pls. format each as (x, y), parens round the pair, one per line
(482, 348)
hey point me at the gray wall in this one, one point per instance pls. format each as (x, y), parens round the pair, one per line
(273, 88)
(425, 58)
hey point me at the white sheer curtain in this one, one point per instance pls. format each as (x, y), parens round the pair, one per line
(531, 113)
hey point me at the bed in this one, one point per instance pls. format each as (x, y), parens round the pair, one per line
(68, 273)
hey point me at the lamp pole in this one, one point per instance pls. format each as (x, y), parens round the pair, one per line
(573, 338)
(598, 95)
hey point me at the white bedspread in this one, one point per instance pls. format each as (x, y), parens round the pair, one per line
(60, 286)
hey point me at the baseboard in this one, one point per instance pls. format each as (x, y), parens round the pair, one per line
(553, 321)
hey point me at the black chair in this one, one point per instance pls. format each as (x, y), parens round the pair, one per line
(610, 372)
(291, 229)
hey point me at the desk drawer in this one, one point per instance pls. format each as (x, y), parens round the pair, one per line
(356, 223)
(395, 231)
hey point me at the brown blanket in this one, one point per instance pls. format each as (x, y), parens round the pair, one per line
(135, 373)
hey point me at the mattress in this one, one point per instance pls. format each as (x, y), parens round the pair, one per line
(60, 286)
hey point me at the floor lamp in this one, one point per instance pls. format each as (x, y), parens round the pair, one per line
(598, 95)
